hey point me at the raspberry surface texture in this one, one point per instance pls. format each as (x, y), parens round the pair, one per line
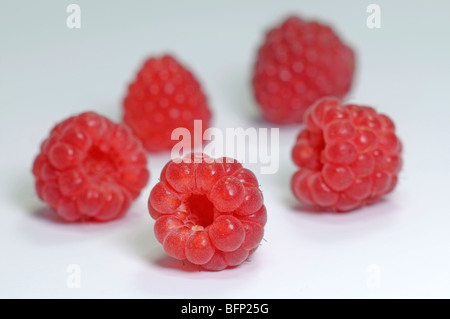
(164, 96)
(90, 169)
(208, 211)
(349, 156)
(298, 63)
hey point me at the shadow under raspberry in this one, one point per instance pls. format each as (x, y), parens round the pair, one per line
(172, 263)
(314, 210)
(48, 214)
(143, 244)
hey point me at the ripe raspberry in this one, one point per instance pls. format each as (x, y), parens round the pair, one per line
(299, 63)
(208, 211)
(348, 156)
(164, 96)
(90, 168)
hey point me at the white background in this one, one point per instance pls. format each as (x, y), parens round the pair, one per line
(48, 72)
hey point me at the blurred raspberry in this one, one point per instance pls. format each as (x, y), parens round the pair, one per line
(298, 63)
(90, 169)
(164, 96)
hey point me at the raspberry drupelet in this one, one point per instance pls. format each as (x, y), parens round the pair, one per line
(349, 156)
(90, 169)
(299, 62)
(164, 96)
(208, 211)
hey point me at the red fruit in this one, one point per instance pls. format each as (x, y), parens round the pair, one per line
(209, 212)
(298, 63)
(90, 168)
(164, 96)
(348, 156)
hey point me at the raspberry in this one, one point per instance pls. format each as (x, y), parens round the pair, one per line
(90, 169)
(348, 156)
(164, 96)
(299, 63)
(208, 211)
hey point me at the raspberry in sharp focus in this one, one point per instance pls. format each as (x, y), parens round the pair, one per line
(348, 155)
(208, 211)
(299, 63)
(90, 169)
(164, 96)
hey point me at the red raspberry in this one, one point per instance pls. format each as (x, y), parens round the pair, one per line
(348, 156)
(299, 63)
(90, 168)
(208, 211)
(164, 96)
